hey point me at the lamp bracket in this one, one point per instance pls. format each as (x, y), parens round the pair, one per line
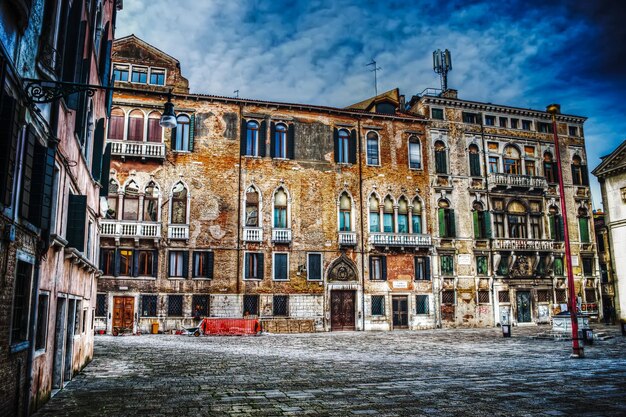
(44, 91)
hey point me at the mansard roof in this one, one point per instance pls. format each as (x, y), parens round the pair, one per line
(612, 163)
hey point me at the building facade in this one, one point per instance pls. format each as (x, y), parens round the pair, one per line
(607, 277)
(52, 162)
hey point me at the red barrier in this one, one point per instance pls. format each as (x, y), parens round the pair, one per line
(221, 326)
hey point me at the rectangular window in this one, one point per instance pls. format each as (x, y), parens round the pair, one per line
(422, 268)
(139, 75)
(447, 226)
(203, 264)
(253, 265)
(314, 266)
(503, 267)
(493, 164)
(503, 122)
(471, 118)
(388, 222)
(120, 72)
(583, 225)
(558, 267)
(84, 321)
(107, 261)
(77, 316)
(42, 321)
(587, 266)
(483, 297)
(378, 268)
(481, 265)
(561, 295)
(175, 305)
(378, 305)
(530, 168)
(281, 265)
(131, 208)
(543, 127)
(101, 305)
(421, 304)
(415, 155)
(447, 297)
(572, 130)
(177, 264)
(490, 120)
(374, 222)
(157, 76)
(447, 264)
(527, 125)
(250, 305)
(498, 224)
(535, 227)
(280, 305)
(590, 295)
(344, 221)
(146, 261)
(372, 151)
(149, 305)
(436, 114)
(126, 262)
(403, 223)
(504, 297)
(514, 123)
(543, 296)
(200, 304)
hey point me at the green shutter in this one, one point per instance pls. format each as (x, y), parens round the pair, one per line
(476, 225)
(474, 164)
(560, 228)
(135, 271)
(155, 263)
(192, 126)
(186, 264)
(552, 221)
(487, 222)
(76, 217)
(583, 223)
(246, 270)
(442, 222)
(452, 224)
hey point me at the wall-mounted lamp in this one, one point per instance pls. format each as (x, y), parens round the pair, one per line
(168, 119)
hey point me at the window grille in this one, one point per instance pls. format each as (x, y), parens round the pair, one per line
(504, 297)
(175, 305)
(590, 295)
(148, 306)
(483, 297)
(280, 305)
(421, 304)
(201, 303)
(543, 296)
(447, 297)
(378, 305)
(251, 305)
(101, 305)
(561, 295)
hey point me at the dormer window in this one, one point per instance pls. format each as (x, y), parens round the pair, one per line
(139, 75)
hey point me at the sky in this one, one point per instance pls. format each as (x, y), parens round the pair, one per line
(518, 53)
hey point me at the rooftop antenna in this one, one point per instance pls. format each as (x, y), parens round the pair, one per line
(442, 63)
(375, 71)
(236, 92)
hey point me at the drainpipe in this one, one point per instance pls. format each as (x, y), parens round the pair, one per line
(362, 251)
(239, 207)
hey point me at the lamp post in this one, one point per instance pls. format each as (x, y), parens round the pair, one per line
(577, 350)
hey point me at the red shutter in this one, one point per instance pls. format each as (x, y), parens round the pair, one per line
(154, 131)
(116, 128)
(135, 129)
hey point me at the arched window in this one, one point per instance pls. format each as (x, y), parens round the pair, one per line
(182, 133)
(280, 209)
(447, 225)
(343, 146)
(415, 153)
(556, 224)
(112, 199)
(579, 172)
(179, 204)
(512, 164)
(583, 225)
(116, 124)
(549, 168)
(345, 213)
(135, 126)
(474, 160)
(441, 158)
(372, 149)
(280, 141)
(155, 132)
(388, 220)
(252, 207)
(131, 201)
(403, 215)
(151, 203)
(482, 221)
(516, 216)
(252, 138)
(374, 208)
(416, 216)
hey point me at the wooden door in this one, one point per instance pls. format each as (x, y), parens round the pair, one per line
(123, 311)
(400, 308)
(342, 307)
(523, 307)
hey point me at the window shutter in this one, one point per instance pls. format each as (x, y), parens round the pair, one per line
(352, 147)
(116, 269)
(242, 137)
(210, 261)
(476, 224)
(291, 142)
(487, 222)
(192, 129)
(8, 147)
(442, 222)
(186, 264)
(172, 138)
(336, 143)
(40, 204)
(427, 268)
(155, 263)
(585, 174)
(105, 59)
(416, 267)
(452, 231)
(583, 223)
(261, 267)
(135, 263)
(284, 273)
(272, 139)
(246, 270)
(555, 171)
(560, 228)
(552, 221)
(383, 267)
(105, 170)
(98, 147)
(574, 176)
(474, 165)
(76, 217)
(370, 266)
(262, 138)
(27, 174)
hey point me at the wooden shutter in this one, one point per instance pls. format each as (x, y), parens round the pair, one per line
(8, 146)
(487, 223)
(98, 148)
(452, 224)
(210, 261)
(476, 224)
(416, 267)
(555, 171)
(427, 268)
(105, 58)
(155, 263)
(273, 140)
(352, 147)
(192, 129)
(116, 267)
(135, 271)
(105, 171)
(575, 175)
(442, 222)
(27, 174)
(262, 138)
(583, 223)
(242, 137)
(76, 217)
(371, 263)
(41, 197)
(560, 228)
(261, 267)
(474, 164)
(291, 142)
(552, 221)
(383, 267)
(246, 268)
(336, 143)
(585, 175)
(186, 264)
(172, 138)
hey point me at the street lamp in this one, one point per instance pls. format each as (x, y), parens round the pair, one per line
(577, 350)
(168, 119)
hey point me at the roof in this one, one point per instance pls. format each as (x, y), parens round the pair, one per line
(392, 96)
(133, 38)
(612, 163)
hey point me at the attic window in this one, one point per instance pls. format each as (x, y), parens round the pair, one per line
(385, 108)
(157, 76)
(140, 75)
(437, 114)
(120, 72)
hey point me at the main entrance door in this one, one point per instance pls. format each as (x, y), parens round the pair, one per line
(523, 307)
(400, 308)
(123, 312)
(342, 310)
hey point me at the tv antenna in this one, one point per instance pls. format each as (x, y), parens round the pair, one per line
(375, 71)
(442, 63)
(236, 93)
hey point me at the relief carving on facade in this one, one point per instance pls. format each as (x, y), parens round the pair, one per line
(342, 269)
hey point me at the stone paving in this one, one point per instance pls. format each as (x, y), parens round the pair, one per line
(472, 372)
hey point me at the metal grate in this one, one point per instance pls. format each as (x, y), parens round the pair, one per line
(175, 305)
(378, 305)
(590, 295)
(543, 296)
(483, 297)
(421, 304)
(561, 295)
(148, 305)
(447, 297)
(504, 297)
(101, 305)
(251, 305)
(280, 305)
(200, 305)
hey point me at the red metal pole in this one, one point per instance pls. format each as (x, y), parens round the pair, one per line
(578, 351)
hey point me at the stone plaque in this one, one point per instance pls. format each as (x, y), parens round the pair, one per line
(465, 259)
(400, 284)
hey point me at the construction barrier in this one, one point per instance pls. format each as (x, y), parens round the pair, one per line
(222, 326)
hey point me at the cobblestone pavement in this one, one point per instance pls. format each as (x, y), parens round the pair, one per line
(434, 372)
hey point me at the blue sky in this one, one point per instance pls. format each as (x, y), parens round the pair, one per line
(518, 53)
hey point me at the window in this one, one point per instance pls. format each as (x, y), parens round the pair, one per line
(203, 264)
(281, 266)
(252, 207)
(514, 123)
(343, 147)
(558, 267)
(447, 226)
(147, 263)
(131, 201)
(372, 149)
(503, 121)
(151, 203)
(572, 130)
(503, 267)
(280, 305)
(345, 212)
(148, 306)
(250, 305)
(512, 164)
(175, 305)
(543, 296)
(544, 127)
(155, 132)
(77, 309)
(471, 118)
(490, 120)
(253, 265)
(415, 153)
(314, 266)
(403, 215)
(481, 265)
(378, 268)
(504, 297)
(280, 209)
(535, 227)
(135, 126)
(498, 224)
(280, 141)
(116, 124)
(550, 169)
(120, 72)
(181, 134)
(21, 302)
(437, 114)
(447, 264)
(374, 218)
(112, 200)
(494, 161)
(527, 125)
(157, 76)
(139, 75)
(441, 158)
(474, 160)
(179, 204)
(561, 295)
(583, 225)
(516, 217)
(42, 321)
(252, 143)
(388, 216)
(416, 216)
(447, 297)
(178, 266)
(590, 295)
(579, 172)
(421, 304)
(101, 305)
(107, 261)
(482, 222)
(422, 268)
(378, 305)
(530, 168)
(483, 297)
(126, 262)
(200, 305)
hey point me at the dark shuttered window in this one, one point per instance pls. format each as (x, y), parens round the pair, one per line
(76, 217)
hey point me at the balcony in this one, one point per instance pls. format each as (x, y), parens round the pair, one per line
(130, 229)
(517, 181)
(141, 150)
(400, 239)
(347, 238)
(523, 244)
(281, 235)
(178, 231)
(252, 234)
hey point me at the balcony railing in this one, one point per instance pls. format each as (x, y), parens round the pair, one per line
(518, 181)
(120, 228)
(178, 231)
(523, 244)
(253, 234)
(400, 239)
(281, 235)
(347, 238)
(137, 149)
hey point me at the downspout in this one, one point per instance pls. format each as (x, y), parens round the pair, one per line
(239, 208)
(362, 251)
